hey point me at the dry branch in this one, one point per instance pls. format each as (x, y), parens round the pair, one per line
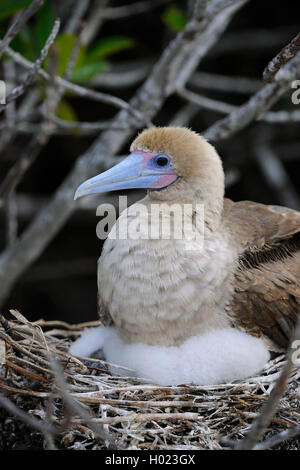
(282, 58)
(257, 105)
(19, 90)
(17, 25)
(136, 413)
(73, 87)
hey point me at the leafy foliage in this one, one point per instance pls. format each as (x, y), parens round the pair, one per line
(30, 40)
(8, 7)
(174, 18)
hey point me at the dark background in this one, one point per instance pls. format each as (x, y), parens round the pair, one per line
(62, 283)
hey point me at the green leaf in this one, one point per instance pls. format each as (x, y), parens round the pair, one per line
(66, 112)
(64, 44)
(88, 71)
(8, 7)
(174, 18)
(108, 46)
(24, 43)
(45, 20)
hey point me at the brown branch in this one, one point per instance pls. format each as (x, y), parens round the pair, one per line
(286, 54)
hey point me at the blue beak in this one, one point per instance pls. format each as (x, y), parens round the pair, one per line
(132, 172)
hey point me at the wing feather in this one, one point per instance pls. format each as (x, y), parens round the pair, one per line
(266, 299)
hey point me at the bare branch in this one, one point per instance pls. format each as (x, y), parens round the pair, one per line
(257, 105)
(136, 8)
(38, 141)
(281, 116)
(11, 218)
(278, 438)
(276, 176)
(89, 127)
(254, 40)
(19, 90)
(282, 58)
(74, 88)
(223, 83)
(17, 25)
(226, 108)
(77, 408)
(123, 74)
(207, 103)
(43, 427)
(78, 13)
(269, 409)
(94, 21)
(184, 115)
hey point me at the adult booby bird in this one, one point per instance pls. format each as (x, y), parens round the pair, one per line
(205, 315)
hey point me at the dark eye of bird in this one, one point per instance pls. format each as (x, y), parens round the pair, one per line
(162, 161)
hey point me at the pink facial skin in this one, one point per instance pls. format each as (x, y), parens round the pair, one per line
(163, 180)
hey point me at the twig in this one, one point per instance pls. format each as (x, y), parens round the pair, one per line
(282, 58)
(94, 21)
(278, 438)
(88, 127)
(11, 213)
(257, 104)
(123, 75)
(38, 141)
(17, 25)
(76, 408)
(43, 427)
(224, 83)
(281, 116)
(74, 88)
(254, 40)
(78, 13)
(136, 8)
(19, 90)
(184, 115)
(11, 217)
(227, 108)
(24, 110)
(269, 409)
(276, 176)
(208, 103)
(138, 415)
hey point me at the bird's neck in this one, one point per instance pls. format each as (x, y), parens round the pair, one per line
(207, 205)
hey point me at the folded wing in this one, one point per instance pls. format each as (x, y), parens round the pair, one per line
(266, 299)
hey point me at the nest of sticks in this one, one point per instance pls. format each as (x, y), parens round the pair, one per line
(50, 399)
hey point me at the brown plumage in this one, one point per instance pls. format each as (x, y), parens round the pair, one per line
(255, 288)
(266, 298)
